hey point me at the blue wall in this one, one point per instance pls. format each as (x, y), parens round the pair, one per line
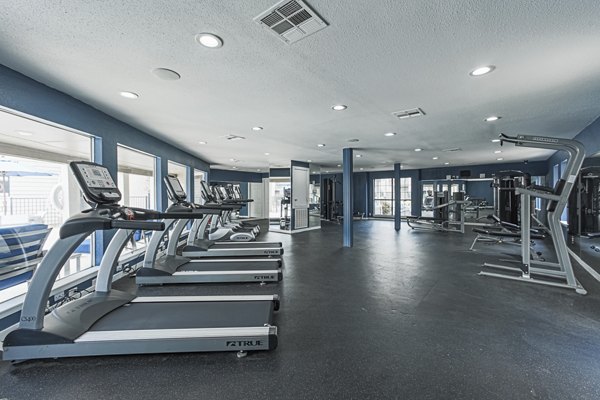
(590, 138)
(224, 175)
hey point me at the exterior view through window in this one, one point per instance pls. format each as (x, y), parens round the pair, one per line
(37, 194)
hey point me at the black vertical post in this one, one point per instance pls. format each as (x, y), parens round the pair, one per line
(348, 167)
(397, 202)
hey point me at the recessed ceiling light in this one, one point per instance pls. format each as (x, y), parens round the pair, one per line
(339, 107)
(308, 160)
(129, 95)
(497, 151)
(495, 140)
(390, 134)
(257, 128)
(267, 154)
(492, 118)
(258, 169)
(320, 145)
(25, 133)
(203, 142)
(482, 70)
(361, 169)
(326, 172)
(209, 40)
(166, 74)
(358, 155)
(435, 158)
(339, 165)
(446, 163)
(417, 149)
(500, 159)
(234, 167)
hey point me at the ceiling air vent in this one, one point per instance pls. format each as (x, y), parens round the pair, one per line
(291, 20)
(414, 112)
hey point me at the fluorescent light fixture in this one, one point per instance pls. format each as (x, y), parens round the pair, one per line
(492, 118)
(202, 142)
(498, 152)
(209, 40)
(234, 167)
(435, 158)
(361, 169)
(500, 159)
(321, 145)
(495, 140)
(358, 155)
(482, 70)
(267, 154)
(257, 128)
(129, 95)
(339, 107)
(446, 163)
(417, 149)
(308, 160)
(390, 134)
(339, 165)
(25, 133)
(326, 172)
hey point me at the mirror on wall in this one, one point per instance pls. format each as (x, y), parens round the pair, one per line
(314, 191)
(279, 199)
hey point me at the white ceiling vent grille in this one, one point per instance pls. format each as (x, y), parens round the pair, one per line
(291, 20)
(414, 112)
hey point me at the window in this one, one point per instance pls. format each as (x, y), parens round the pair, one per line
(276, 195)
(37, 194)
(383, 197)
(180, 171)
(427, 204)
(137, 184)
(199, 176)
(405, 196)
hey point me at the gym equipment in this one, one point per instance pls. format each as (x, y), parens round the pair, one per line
(107, 321)
(221, 228)
(543, 272)
(448, 215)
(507, 200)
(199, 246)
(226, 195)
(584, 203)
(284, 218)
(332, 209)
(171, 268)
(499, 232)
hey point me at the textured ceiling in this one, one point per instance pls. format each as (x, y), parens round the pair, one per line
(376, 56)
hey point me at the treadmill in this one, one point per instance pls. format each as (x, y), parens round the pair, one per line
(171, 268)
(107, 321)
(198, 246)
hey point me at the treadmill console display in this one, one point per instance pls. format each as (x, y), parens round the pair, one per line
(96, 182)
(174, 188)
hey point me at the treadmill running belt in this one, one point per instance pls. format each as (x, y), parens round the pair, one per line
(224, 314)
(234, 266)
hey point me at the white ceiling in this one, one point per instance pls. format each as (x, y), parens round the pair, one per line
(376, 56)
